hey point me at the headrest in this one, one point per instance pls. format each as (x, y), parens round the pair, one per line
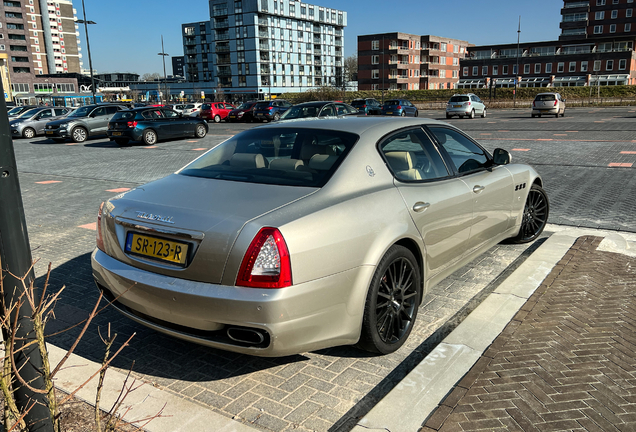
(400, 160)
(247, 160)
(441, 136)
(308, 150)
(285, 164)
(321, 162)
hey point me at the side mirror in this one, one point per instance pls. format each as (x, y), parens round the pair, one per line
(501, 157)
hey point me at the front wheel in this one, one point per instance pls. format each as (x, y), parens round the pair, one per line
(28, 133)
(149, 137)
(483, 114)
(200, 131)
(535, 215)
(79, 135)
(392, 302)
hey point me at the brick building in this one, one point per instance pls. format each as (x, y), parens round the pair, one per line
(402, 61)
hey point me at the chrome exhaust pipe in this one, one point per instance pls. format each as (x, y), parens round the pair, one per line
(245, 335)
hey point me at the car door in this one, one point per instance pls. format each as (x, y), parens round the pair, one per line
(41, 119)
(95, 121)
(479, 104)
(491, 185)
(174, 125)
(440, 204)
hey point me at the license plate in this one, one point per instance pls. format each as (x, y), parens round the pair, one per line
(259, 115)
(116, 133)
(157, 248)
(49, 132)
(232, 116)
(389, 112)
(457, 106)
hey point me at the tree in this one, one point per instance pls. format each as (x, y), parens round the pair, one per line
(151, 76)
(351, 68)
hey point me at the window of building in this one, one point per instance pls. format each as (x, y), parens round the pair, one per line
(455, 74)
(495, 70)
(628, 27)
(622, 64)
(598, 29)
(572, 67)
(584, 66)
(484, 70)
(455, 61)
(614, 1)
(504, 69)
(600, 2)
(375, 73)
(599, 15)
(442, 72)
(465, 71)
(3, 48)
(613, 28)
(475, 70)
(443, 47)
(375, 45)
(609, 65)
(560, 67)
(526, 69)
(548, 68)
(597, 65)
(537, 68)
(514, 70)
(614, 14)
(20, 88)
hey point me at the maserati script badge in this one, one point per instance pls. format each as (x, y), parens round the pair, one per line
(154, 217)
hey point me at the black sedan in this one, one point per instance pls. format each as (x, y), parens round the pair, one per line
(151, 124)
(319, 109)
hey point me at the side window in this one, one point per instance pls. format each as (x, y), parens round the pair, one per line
(45, 114)
(412, 156)
(111, 110)
(170, 114)
(341, 109)
(327, 111)
(465, 154)
(99, 112)
(60, 111)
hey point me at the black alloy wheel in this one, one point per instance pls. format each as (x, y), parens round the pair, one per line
(392, 302)
(535, 215)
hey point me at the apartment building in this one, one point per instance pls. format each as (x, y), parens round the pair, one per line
(596, 47)
(401, 61)
(259, 47)
(178, 63)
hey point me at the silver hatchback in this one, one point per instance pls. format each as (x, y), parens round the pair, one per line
(32, 122)
(465, 105)
(548, 104)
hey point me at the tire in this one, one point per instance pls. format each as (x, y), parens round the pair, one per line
(121, 141)
(557, 115)
(483, 114)
(532, 115)
(28, 133)
(79, 134)
(563, 113)
(539, 115)
(535, 215)
(392, 302)
(59, 140)
(472, 114)
(200, 131)
(217, 119)
(417, 113)
(403, 114)
(149, 137)
(276, 116)
(448, 116)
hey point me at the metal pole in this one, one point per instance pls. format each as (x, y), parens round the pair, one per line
(163, 55)
(15, 259)
(517, 74)
(88, 47)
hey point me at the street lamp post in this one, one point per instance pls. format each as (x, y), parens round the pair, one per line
(517, 73)
(163, 55)
(88, 47)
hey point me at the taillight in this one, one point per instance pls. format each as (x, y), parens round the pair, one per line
(399, 107)
(266, 263)
(132, 124)
(99, 239)
(271, 108)
(534, 103)
(364, 106)
(555, 102)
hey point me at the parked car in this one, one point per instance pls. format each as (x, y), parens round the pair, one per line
(84, 122)
(192, 109)
(32, 122)
(270, 110)
(216, 111)
(150, 125)
(367, 106)
(243, 113)
(16, 111)
(319, 109)
(399, 107)
(465, 105)
(331, 239)
(548, 104)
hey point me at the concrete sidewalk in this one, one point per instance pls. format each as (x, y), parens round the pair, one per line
(447, 390)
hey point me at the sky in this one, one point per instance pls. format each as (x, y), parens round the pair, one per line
(127, 33)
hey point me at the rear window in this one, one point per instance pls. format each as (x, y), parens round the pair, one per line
(459, 99)
(123, 115)
(392, 102)
(281, 156)
(262, 105)
(206, 106)
(545, 97)
(357, 103)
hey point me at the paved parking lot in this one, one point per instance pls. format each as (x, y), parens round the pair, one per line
(588, 169)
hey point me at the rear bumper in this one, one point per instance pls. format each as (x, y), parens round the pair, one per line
(552, 111)
(130, 134)
(300, 318)
(459, 111)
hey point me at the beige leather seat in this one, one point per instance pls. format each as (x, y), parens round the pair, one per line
(403, 165)
(322, 162)
(247, 160)
(286, 164)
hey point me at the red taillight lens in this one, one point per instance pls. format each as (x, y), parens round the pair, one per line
(266, 263)
(555, 102)
(399, 107)
(534, 103)
(364, 106)
(132, 124)
(100, 240)
(271, 108)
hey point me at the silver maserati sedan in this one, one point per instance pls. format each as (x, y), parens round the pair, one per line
(302, 235)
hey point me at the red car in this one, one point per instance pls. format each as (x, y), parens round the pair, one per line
(216, 111)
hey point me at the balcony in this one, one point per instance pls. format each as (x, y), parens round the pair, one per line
(263, 47)
(264, 57)
(400, 49)
(223, 60)
(263, 22)
(224, 23)
(190, 51)
(317, 52)
(224, 73)
(190, 41)
(317, 63)
(222, 35)
(219, 12)
(222, 48)
(263, 34)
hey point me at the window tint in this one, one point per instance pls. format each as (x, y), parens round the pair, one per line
(327, 111)
(152, 114)
(465, 154)
(459, 99)
(170, 114)
(206, 106)
(545, 97)
(60, 111)
(99, 112)
(412, 156)
(283, 156)
(45, 114)
(123, 115)
(112, 109)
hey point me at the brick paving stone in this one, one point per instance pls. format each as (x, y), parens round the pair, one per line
(578, 316)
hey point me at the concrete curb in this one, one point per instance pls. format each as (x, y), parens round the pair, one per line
(417, 396)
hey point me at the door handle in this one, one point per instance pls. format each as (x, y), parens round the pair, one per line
(478, 188)
(420, 206)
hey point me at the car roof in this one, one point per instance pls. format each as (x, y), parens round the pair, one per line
(356, 124)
